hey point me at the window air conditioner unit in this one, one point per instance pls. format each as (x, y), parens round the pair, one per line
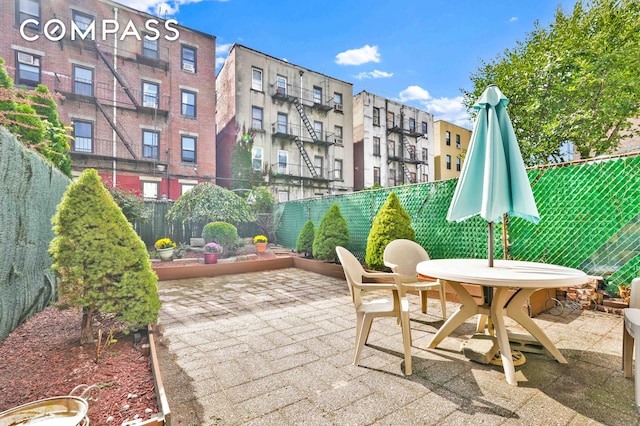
(338, 107)
(338, 141)
(24, 58)
(189, 67)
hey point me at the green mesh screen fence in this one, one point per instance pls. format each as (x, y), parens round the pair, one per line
(30, 191)
(590, 219)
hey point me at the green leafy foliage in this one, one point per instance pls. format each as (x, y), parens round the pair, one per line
(101, 263)
(131, 204)
(207, 202)
(244, 175)
(576, 81)
(222, 233)
(32, 116)
(305, 239)
(332, 232)
(391, 223)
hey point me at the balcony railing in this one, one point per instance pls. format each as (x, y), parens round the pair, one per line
(291, 131)
(307, 96)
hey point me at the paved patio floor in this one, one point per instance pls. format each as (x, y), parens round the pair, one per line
(275, 348)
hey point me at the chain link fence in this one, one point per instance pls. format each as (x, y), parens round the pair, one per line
(589, 219)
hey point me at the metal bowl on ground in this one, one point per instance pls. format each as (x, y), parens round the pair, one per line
(58, 411)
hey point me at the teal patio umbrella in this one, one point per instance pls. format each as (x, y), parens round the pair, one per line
(493, 180)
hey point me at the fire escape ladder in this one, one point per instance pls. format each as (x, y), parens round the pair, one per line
(305, 157)
(118, 76)
(120, 131)
(406, 155)
(305, 120)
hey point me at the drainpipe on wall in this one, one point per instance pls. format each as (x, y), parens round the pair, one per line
(115, 82)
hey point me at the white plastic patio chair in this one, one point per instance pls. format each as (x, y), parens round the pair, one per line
(367, 310)
(630, 334)
(402, 256)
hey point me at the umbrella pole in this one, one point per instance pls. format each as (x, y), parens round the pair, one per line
(488, 291)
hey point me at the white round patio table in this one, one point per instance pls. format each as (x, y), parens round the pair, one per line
(505, 275)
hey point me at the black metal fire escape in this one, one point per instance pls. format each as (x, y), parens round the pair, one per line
(298, 141)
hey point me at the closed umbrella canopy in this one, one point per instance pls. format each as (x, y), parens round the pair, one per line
(493, 180)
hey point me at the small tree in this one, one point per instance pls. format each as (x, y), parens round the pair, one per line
(391, 223)
(305, 239)
(332, 232)
(101, 263)
(222, 233)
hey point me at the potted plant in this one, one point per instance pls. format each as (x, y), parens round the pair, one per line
(211, 251)
(260, 242)
(165, 248)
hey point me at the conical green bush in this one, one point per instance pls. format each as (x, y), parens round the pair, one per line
(332, 232)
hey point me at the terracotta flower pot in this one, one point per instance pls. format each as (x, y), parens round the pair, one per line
(210, 258)
(261, 247)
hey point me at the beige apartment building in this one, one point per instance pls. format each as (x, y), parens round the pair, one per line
(451, 143)
(300, 122)
(393, 142)
(139, 90)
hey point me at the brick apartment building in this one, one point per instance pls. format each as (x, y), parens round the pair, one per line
(300, 120)
(393, 142)
(142, 108)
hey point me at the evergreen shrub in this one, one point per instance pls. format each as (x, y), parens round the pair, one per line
(332, 232)
(392, 222)
(305, 239)
(222, 233)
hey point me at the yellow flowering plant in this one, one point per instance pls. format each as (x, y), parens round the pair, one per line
(259, 239)
(165, 243)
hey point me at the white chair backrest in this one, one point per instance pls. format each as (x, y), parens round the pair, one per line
(406, 254)
(353, 272)
(634, 301)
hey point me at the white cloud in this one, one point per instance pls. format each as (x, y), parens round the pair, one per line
(223, 49)
(447, 109)
(358, 56)
(513, 19)
(219, 61)
(373, 74)
(160, 8)
(414, 93)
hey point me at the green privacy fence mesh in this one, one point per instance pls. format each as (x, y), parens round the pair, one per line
(30, 190)
(590, 219)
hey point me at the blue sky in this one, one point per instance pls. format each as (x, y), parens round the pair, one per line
(420, 52)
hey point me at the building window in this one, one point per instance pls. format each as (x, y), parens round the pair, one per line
(448, 162)
(283, 162)
(28, 9)
(391, 149)
(189, 58)
(281, 85)
(447, 138)
(150, 190)
(338, 134)
(283, 196)
(82, 136)
(337, 169)
(188, 103)
(376, 176)
(82, 81)
(424, 128)
(412, 177)
(282, 123)
(318, 164)
(28, 69)
(256, 79)
(458, 163)
(391, 120)
(256, 158)
(317, 129)
(185, 187)
(82, 20)
(392, 177)
(376, 146)
(256, 118)
(188, 149)
(337, 101)
(150, 47)
(425, 155)
(412, 125)
(317, 95)
(458, 141)
(412, 153)
(150, 144)
(376, 116)
(425, 177)
(150, 93)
